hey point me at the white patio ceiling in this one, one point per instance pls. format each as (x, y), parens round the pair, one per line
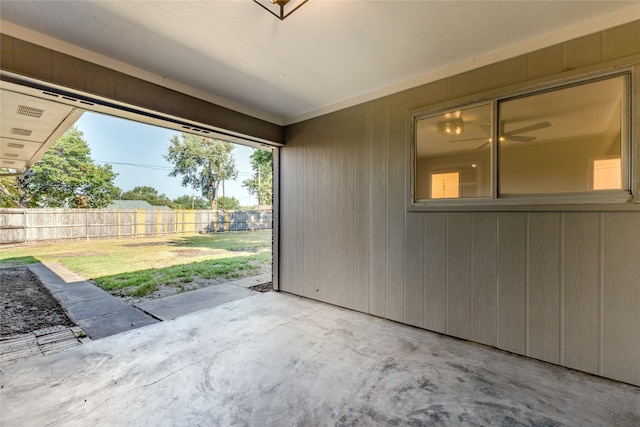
(325, 56)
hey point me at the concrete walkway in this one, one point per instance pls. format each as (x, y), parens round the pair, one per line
(97, 312)
(280, 360)
(174, 306)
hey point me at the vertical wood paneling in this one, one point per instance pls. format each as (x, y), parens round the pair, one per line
(299, 221)
(484, 305)
(333, 207)
(320, 229)
(414, 236)
(544, 286)
(435, 271)
(621, 297)
(414, 271)
(309, 216)
(297, 216)
(286, 217)
(581, 277)
(458, 298)
(347, 214)
(512, 263)
(378, 289)
(395, 208)
(363, 212)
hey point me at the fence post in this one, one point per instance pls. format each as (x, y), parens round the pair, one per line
(25, 226)
(135, 223)
(86, 221)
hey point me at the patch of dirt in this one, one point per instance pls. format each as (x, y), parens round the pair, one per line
(141, 245)
(264, 287)
(26, 304)
(167, 290)
(197, 283)
(249, 250)
(191, 253)
(79, 254)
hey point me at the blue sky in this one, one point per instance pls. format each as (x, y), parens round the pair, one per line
(115, 141)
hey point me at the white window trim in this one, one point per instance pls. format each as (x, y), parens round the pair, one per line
(598, 200)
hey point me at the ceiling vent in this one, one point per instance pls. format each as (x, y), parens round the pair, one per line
(14, 145)
(22, 132)
(23, 110)
(13, 155)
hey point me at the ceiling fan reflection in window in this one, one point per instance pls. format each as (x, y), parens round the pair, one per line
(514, 135)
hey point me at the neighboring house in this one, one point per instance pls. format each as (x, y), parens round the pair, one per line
(136, 204)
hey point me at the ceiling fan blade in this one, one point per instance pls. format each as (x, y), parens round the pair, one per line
(518, 138)
(530, 128)
(468, 139)
(482, 145)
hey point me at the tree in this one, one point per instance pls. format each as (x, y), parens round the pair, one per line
(191, 202)
(262, 180)
(228, 203)
(203, 163)
(148, 194)
(66, 176)
(11, 193)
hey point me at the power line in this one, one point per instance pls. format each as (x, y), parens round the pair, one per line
(137, 165)
(154, 167)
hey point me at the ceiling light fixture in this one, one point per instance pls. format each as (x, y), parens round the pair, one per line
(451, 127)
(281, 4)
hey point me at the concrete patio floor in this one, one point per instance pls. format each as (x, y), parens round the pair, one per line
(279, 360)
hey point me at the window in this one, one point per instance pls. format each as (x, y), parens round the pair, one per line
(454, 141)
(552, 144)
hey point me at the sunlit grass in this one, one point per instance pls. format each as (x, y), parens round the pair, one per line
(144, 282)
(138, 267)
(99, 258)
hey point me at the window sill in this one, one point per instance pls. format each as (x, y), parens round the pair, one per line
(560, 202)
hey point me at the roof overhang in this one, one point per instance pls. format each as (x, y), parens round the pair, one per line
(29, 125)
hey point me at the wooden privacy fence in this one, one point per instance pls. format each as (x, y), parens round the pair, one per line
(36, 225)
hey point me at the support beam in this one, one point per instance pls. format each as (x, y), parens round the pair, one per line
(36, 62)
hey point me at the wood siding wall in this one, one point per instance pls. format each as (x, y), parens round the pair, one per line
(562, 287)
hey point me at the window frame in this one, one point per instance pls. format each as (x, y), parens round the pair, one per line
(589, 200)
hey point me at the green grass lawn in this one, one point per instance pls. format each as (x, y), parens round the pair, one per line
(137, 267)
